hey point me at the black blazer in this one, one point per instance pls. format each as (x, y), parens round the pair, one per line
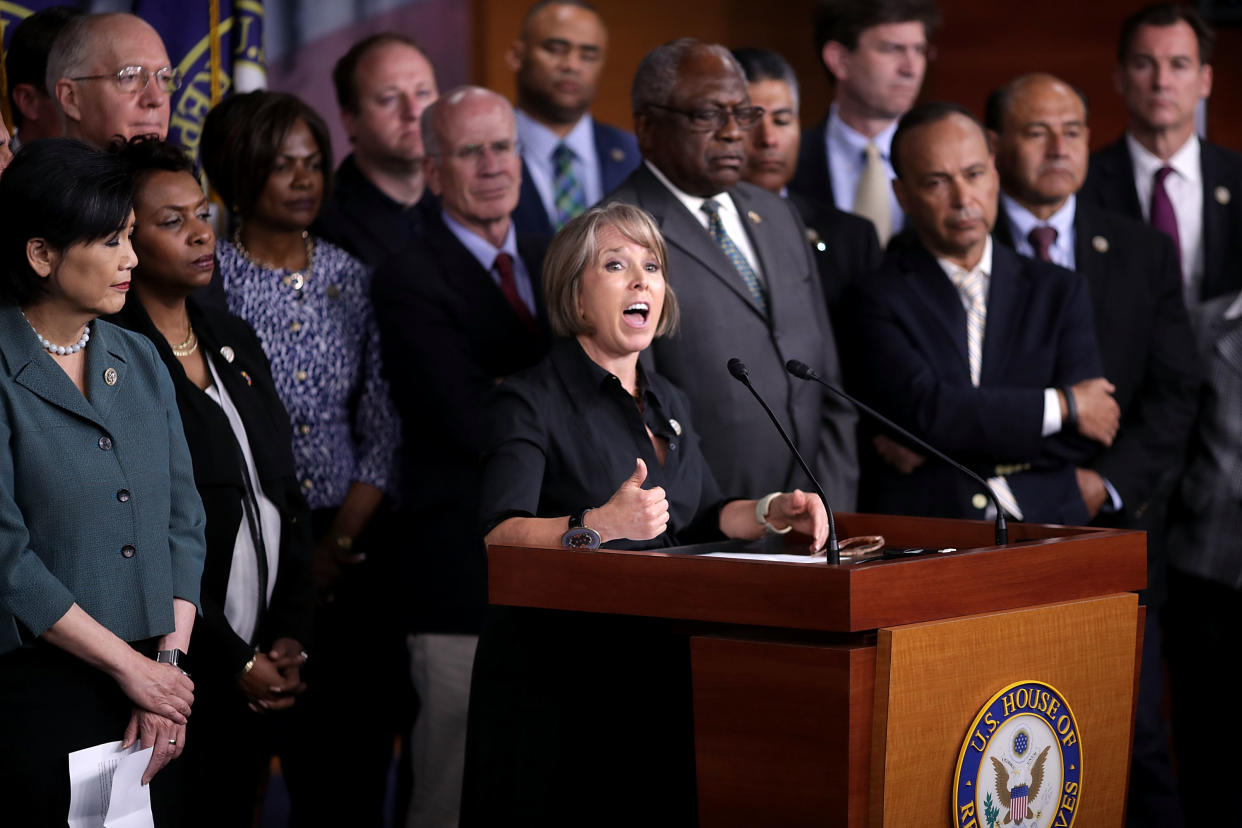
(914, 368)
(813, 177)
(1145, 344)
(447, 335)
(1110, 184)
(218, 476)
(618, 155)
(845, 246)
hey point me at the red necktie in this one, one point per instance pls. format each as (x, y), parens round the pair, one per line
(1042, 239)
(508, 286)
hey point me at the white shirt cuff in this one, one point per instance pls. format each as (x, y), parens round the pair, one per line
(1052, 412)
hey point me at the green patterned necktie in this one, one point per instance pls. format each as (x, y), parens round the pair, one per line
(569, 196)
(716, 227)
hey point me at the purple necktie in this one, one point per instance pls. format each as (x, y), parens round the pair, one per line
(1042, 239)
(1163, 217)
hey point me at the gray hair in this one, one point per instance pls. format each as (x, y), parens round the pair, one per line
(431, 119)
(656, 76)
(70, 49)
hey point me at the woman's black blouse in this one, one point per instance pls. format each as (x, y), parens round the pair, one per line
(564, 436)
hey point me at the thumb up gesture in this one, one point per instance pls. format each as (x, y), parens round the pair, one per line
(632, 512)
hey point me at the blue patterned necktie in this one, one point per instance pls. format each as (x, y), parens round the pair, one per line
(568, 195)
(716, 227)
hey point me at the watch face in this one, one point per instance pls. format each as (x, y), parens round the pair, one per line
(580, 538)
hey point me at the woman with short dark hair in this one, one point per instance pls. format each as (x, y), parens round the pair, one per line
(101, 529)
(257, 590)
(268, 155)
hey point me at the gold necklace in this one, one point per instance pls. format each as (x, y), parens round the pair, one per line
(186, 348)
(299, 279)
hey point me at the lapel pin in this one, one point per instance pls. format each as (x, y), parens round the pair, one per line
(676, 426)
(1100, 244)
(754, 217)
(617, 154)
(246, 377)
(1223, 196)
(333, 291)
(110, 376)
(227, 353)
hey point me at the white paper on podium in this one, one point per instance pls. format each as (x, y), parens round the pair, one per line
(105, 787)
(762, 556)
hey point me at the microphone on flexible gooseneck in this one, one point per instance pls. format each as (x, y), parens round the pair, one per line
(803, 371)
(738, 369)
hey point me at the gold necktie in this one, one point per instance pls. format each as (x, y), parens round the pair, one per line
(871, 199)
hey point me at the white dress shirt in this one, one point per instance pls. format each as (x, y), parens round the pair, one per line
(241, 596)
(1185, 189)
(846, 150)
(729, 217)
(538, 144)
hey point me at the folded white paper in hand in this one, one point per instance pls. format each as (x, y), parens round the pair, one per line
(105, 787)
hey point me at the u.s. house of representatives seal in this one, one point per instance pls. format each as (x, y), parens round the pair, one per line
(1021, 762)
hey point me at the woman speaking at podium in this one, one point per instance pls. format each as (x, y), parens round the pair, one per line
(591, 449)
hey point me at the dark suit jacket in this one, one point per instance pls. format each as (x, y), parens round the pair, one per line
(618, 156)
(844, 245)
(719, 320)
(1110, 184)
(218, 477)
(1148, 353)
(448, 334)
(813, 177)
(914, 368)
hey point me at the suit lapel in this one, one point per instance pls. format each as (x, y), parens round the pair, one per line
(1229, 342)
(935, 293)
(683, 231)
(1088, 261)
(106, 360)
(1007, 294)
(613, 163)
(1215, 220)
(761, 243)
(34, 369)
(1118, 170)
(467, 278)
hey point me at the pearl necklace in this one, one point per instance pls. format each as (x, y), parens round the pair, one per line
(60, 350)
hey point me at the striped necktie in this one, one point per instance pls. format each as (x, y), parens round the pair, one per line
(716, 228)
(969, 285)
(568, 194)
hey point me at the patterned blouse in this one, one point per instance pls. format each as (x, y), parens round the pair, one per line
(320, 336)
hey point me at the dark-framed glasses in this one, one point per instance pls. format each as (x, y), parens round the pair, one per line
(132, 79)
(715, 118)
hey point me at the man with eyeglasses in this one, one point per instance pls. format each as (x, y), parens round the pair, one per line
(745, 280)
(876, 54)
(110, 74)
(458, 309)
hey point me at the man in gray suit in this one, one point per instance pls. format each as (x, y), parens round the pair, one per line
(744, 276)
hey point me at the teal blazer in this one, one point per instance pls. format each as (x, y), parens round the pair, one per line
(97, 498)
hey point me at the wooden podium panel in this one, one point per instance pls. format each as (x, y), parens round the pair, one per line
(932, 679)
(763, 713)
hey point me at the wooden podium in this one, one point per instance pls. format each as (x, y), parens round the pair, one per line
(841, 695)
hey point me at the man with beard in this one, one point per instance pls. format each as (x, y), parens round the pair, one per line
(876, 53)
(987, 355)
(569, 160)
(379, 199)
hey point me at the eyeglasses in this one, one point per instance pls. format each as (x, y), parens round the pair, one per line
(474, 153)
(134, 79)
(711, 120)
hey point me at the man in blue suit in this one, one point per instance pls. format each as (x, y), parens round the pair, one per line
(569, 161)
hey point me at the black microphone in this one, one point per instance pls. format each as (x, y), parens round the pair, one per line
(803, 371)
(738, 369)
